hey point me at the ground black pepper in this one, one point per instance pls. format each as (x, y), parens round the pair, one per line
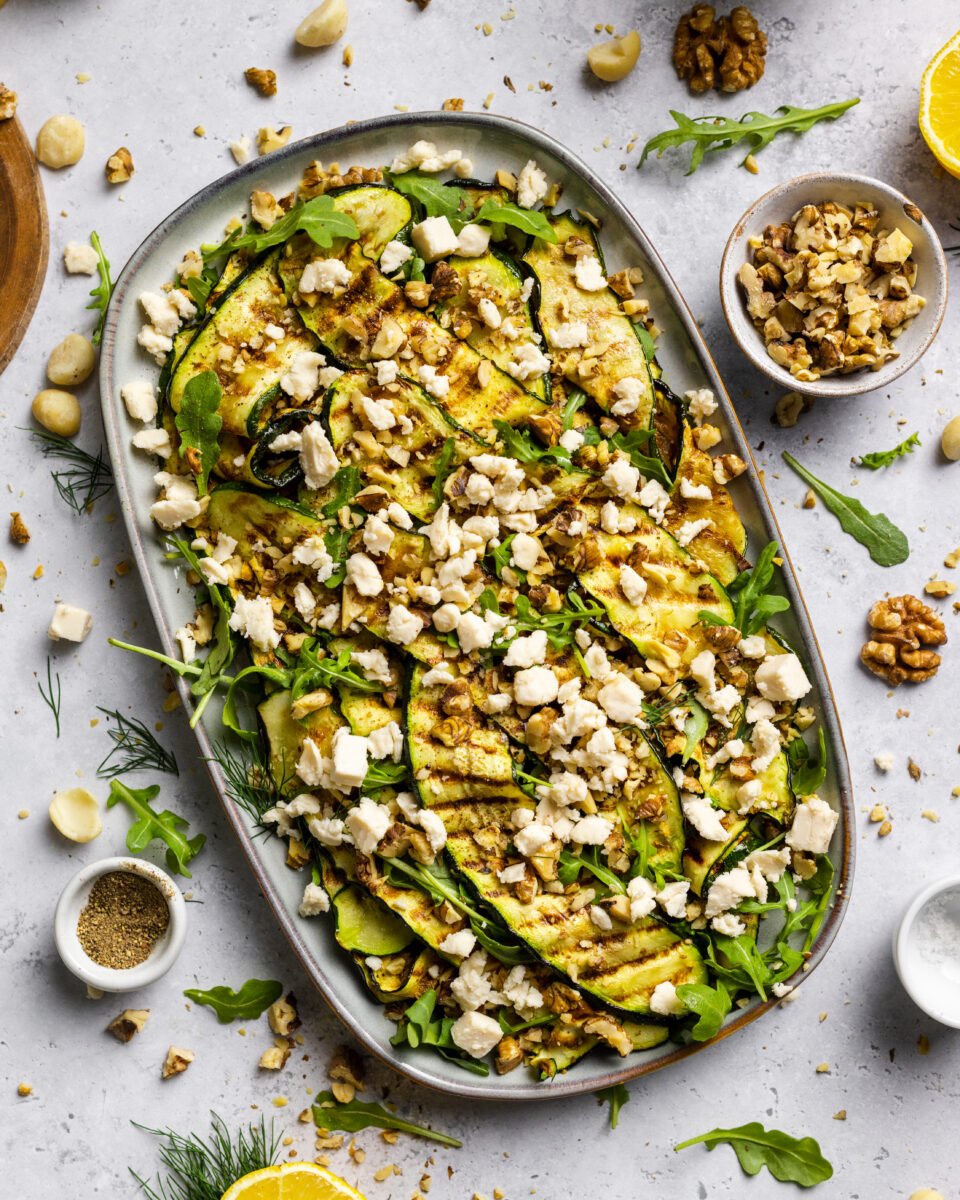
(122, 920)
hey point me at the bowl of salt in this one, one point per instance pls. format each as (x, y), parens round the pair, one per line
(926, 950)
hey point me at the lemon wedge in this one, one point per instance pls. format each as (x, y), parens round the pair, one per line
(940, 105)
(291, 1181)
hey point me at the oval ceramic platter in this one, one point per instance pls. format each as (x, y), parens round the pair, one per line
(491, 142)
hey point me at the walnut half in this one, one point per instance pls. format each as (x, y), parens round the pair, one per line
(728, 53)
(903, 630)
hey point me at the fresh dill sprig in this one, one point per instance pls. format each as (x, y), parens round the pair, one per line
(134, 749)
(51, 697)
(250, 782)
(203, 1169)
(85, 478)
(103, 291)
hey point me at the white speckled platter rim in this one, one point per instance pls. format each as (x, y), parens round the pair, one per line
(491, 142)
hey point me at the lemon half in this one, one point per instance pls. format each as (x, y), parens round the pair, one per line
(291, 1181)
(940, 105)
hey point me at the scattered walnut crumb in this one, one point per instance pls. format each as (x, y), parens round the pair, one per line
(939, 588)
(330, 1141)
(282, 1015)
(262, 80)
(270, 139)
(822, 1017)
(931, 815)
(8, 103)
(789, 408)
(274, 1058)
(390, 1136)
(878, 813)
(129, 1023)
(176, 1062)
(347, 57)
(885, 829)
(810, 499)
(840, 1114)
(346, 1067)
(199, 131)
(902, 712)
(356, 1153)
(913, 770)
(823, 1068)
(38, 571)
(19, 532)
(488, 100)
(454, 104)
(280, 1102)
(119, 167)
(385, 1172)
(24, 1089)
(425, 1182)
(952, 559)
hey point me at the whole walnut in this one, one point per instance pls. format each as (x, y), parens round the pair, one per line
(903, 629)
(726, 52)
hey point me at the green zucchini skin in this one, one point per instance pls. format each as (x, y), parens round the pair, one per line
(501, 280)
(471, 787)
(382, 215)
(255, 301)
(610, 330)
(365, 924)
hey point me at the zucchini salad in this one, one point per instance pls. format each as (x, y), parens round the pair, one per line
(473, 599)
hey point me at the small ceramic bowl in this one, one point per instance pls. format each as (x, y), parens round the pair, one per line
(779, 204)
(164, 954)
(926, 950)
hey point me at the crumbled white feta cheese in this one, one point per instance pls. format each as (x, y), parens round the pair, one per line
(813, 826)
(240, 149)
(571, 440)
(301, 378)
(315, 901)
(621, 479)
(187, 643)
(377, 535)
(628, 393)
(655, 499)
(161, 311)
(387, 371)
(253, 618)
(458, 944)
(364, 575)
(312, 552)
(642, 896)
(446, 618)
(403, 626)
(633, 585)
(758, 709)
(473, 241)
(765, 740)
(435, 384)
(153, 441)
(532, 837)
(534, 685)
(728, 889)
(690, 529)
(601, 918)
(569, 334)
(140, 399)
(705, 819)
(672, 898)
(529, 362)
(304, 601)
(694, 491)
(479, 490)
(472, 989)
(434, 237)
(69, 623)
(394, 255)
(883, 762)
(156, 344)
(782, 677)
(367, 823)
(588, 274)
(702, 670)
(701, 403)
(386, 742)
(476, 1034)
(665, 1002)
(489, 313)
(591, 831)
(622, 700)
(432, 825)
(323, 276)
(80, 259)
(525, 551)
(528, 651)
(473, 632)
(729, 924)
(424, 156)
(374, 664)
(515, 873)
(753, 647)
(318, 459)
(532, 185)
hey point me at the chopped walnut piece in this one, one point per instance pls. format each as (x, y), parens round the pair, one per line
(119, 167)
(275, 1057)
(270, 139)
(914, 770)
(265, 209)
(454, 104)
(939, 588)
(8, 103)
(128, 1023)
(346, 1066)
(728, 53)
(176, 1062)
(262, 80)
(727, 467)
(282, 1015)
(898, 650)
(418, 292)
(19, 532)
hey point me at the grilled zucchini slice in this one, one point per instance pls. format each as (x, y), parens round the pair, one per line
(285, 736)
(665, 625)
(365, 924)
(613, 344)
(620, 967)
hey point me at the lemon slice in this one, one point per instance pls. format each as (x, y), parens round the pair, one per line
(940, 105)
(291, 1181)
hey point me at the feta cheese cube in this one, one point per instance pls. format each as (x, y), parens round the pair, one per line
(665, 1002)
(403, 626)
(364, 575)
(432, 825)
(534, 685)
(632, 584)
(473, 632)
(588, 274)
(476, 1034)
(753, 647)
(394, 255)
(622, 700)
(591, 831)
(813, 826)
(532, 185)
(532, 837)
(473, 241)
(529, 362)
(705, 819)
(140, 400)
(701, 403)
(69, 623)
(367, 823)
(80, 259)
(323, 276)
(489, 313)
(528, 651)
(569, 334)
(782, 677)
(153, 441)
(621, 479)
(695, 491)
(672, 898)
(315, 901)
(458, 944)
(253, 618)
(386, 742)
(628, 393)
(525, 551)
(349, 760)
(434, 237)
(301, 379)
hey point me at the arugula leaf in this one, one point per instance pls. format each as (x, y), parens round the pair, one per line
(616, 1096)
(103, 291)
(329, 1113)
(789, 1159)
(417, 1027)
(249, 1001)
(754, 604)
(754, 129)
(199, 423)
(519, 444)
(883, 458)
(560, 627)
(150, 824)
(442, 469)
(200, 286)
(318, 218)
(346, 483)
(887, 545)
(500, 557)
(710, 1004)
(575, 401)
(645, 339)
(694, 728)
(807, 778)
(647, 464)
(437, 199)
(747, 966)
(524, 219)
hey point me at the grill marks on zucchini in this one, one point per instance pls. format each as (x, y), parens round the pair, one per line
(223, 342)
(411, 485)
(665, 625)
(612, 339)
(722, 544)
(495, 277)
(620, 967)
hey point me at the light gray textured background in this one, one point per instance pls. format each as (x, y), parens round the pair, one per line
(157, 71)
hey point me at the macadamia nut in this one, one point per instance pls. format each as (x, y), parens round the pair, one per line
(56, 411)
(60, 142)
(614, 60)
(950, 440)
(324, 26)
(72, 361)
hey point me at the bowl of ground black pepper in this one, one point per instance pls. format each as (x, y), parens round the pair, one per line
(120, 924)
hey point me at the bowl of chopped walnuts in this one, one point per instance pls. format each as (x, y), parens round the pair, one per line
(833, 284)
